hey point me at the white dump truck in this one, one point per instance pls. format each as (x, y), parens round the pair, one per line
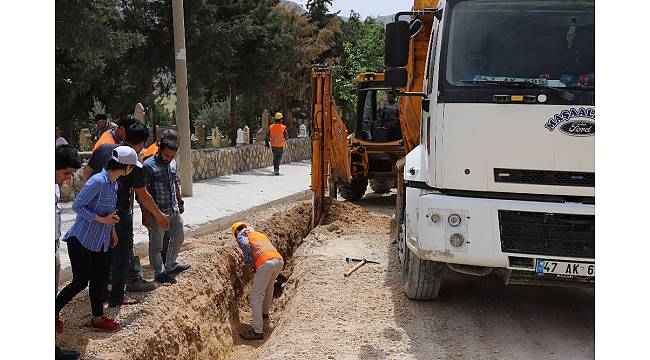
(503, 178)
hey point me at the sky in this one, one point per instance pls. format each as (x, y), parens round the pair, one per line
(367, 7)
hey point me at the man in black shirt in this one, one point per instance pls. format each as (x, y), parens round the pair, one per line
(123, 262)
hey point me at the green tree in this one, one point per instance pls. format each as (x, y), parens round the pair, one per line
(363, 50)
(298, 44)
(318, 12)
(88, 36)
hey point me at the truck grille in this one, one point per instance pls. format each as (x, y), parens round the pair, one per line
(569, 235)
(544, 177)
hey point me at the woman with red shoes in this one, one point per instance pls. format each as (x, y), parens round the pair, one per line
(93, 233)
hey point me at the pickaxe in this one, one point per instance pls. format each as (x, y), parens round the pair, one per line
(357, 266)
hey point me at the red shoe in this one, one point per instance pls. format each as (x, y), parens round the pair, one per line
(58, 328)
(106, 324)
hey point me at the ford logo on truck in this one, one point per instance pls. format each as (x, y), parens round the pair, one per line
(579, 128)
(573, 121)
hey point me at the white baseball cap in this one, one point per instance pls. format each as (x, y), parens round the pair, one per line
(126, 155)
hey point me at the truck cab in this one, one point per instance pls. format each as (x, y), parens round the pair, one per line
(503, 178)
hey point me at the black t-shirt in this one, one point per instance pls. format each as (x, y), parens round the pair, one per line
(134, 180)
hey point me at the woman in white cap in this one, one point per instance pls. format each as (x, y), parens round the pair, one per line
(93, 233)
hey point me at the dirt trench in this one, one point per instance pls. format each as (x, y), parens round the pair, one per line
(198, 317)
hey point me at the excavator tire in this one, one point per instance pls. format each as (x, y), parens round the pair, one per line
(354, 191)
(379, 186)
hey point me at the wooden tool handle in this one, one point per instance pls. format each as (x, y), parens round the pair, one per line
(357, 266)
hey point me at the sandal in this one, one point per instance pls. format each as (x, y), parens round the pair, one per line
(129, 300)
(107, 324)
(126, 300)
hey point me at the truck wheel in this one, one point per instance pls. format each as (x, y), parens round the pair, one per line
(421, 278)
(379, 186)
(354, 191)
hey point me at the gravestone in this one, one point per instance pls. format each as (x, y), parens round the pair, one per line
(302, 131)
(216, 137)
(240, 136)
(200, 134)
(138, 113)
(260, 136)
(85, 140)
(247, 134)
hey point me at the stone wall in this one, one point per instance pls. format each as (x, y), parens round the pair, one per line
(210, 163)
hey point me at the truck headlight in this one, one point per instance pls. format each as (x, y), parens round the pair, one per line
(454, 220)
(457, 240)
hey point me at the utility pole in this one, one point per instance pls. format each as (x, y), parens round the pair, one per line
(182, 107)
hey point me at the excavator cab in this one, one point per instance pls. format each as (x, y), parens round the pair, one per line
(377, 115)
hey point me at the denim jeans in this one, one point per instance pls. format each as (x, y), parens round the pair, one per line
(123, 262)
(156, 236)
(277, 157)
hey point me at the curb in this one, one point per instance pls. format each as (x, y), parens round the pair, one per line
(142, 249)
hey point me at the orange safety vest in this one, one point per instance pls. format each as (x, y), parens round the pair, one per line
(261, 248)
(106, 138)
(151, 150)
(276, 135)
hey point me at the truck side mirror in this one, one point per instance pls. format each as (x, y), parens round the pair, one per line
(395, 77)
(396, 44)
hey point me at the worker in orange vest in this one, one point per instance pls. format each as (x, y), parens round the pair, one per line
(267, 263)
(116, 136)
(277, 136)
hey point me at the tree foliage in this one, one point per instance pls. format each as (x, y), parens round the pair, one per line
(362, 50)
(250, 55)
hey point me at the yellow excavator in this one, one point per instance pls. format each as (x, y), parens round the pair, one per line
(346, 162)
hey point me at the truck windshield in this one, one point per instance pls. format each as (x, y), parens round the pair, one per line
(520, 41)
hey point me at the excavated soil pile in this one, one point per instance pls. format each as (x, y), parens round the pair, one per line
(193, 318)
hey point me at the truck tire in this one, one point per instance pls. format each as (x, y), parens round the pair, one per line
(354, 191)
(379, 186)
(421, 278)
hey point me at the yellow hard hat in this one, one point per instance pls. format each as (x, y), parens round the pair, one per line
(278, 116)
(236, 225)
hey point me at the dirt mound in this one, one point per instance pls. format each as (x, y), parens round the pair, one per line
(346, 212)
(193, 318)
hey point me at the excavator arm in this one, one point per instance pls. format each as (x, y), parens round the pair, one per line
(330, 156)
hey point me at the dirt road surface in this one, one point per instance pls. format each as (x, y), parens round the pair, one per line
(323, 315)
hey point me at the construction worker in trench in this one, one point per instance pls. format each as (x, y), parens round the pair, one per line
(277, 136)
(267, 263)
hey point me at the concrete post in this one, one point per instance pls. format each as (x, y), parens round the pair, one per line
(182, 108)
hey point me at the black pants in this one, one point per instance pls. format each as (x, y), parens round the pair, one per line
(122, 265)
(277, 157)
(87, 266)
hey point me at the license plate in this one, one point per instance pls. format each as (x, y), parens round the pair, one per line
(564, 268)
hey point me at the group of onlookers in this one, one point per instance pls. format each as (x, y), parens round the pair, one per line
(100, 243)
